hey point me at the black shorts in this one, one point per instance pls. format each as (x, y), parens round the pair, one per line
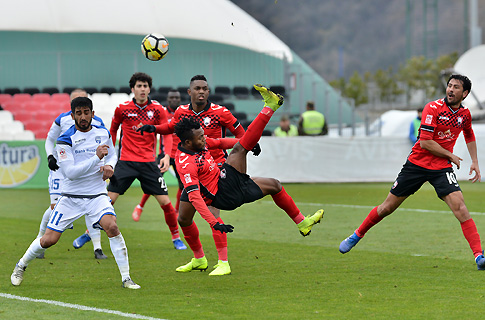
(412, 177)
(235, 189)
(147, 173)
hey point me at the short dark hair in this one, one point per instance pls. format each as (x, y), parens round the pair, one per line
(81, 102)
(140, 76)
(183, 128)
(467, 84)
(173, 90)
(310, 104)
(198, 77)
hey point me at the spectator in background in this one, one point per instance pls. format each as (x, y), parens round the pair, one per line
(414, 127)
(286, 129)
(312, 122)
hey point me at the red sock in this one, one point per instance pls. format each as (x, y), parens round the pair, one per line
(191, 235)
(177, 204)
(255, 129)
(144, 199)
(471, 235)
(372, 219)
(285, 202)
(171, 220)
(220, 240)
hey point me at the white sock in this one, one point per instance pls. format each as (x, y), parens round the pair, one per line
(44, 221)
(32, 252)
(95, 235)
(120, 252)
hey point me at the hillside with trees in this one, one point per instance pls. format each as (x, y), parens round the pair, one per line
(340, 37)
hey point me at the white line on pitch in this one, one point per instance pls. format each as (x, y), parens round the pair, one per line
(371, 207)
(78, 307)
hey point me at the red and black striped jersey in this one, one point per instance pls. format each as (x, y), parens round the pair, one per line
(442, 124)
(214, 119)
(133, 145)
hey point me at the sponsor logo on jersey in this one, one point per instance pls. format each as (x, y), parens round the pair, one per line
(395, 184)
(187, 178)
(429, 119)
(79, 141)
(446, 135)
(132, 115)
(444, 118)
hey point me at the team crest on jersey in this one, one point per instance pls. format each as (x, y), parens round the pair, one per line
(207, 121)
(150, 114)
(459, 120)
(222, 175)
(187, 178)
(62, 154)
(97, 139)
(429, 119)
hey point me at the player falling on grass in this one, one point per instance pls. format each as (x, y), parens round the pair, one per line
(431, 160)
(138, 153)
(214, 119)
(56, 179)
(228, 187)
(86, 157)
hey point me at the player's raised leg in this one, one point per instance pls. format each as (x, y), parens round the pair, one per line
(272, 102)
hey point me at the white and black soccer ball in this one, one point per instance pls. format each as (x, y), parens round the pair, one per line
(154, 46)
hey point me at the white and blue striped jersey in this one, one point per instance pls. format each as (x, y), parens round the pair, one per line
(77, 159)
(60, 125)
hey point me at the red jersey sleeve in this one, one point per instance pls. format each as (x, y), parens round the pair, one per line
(231, 123)
(468, 130)
(222, 143)
(428, 122)
(196, 199)
(115, 124)
(190, 178)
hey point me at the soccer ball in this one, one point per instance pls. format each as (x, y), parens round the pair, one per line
(154, 46)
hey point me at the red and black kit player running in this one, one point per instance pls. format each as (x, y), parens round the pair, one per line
(214, 120)
(137, 153)
(227, 187)
(431, 160)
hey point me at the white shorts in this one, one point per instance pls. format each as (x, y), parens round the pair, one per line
(55, 185)
(68, 210)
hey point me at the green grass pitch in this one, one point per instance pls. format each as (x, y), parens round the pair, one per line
(415, 264)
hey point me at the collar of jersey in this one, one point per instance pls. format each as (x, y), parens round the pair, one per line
(205, 109)
(186, 150)
(149, 102)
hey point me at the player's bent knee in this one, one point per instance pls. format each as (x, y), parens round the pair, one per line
(46, 242)
(184, 221)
